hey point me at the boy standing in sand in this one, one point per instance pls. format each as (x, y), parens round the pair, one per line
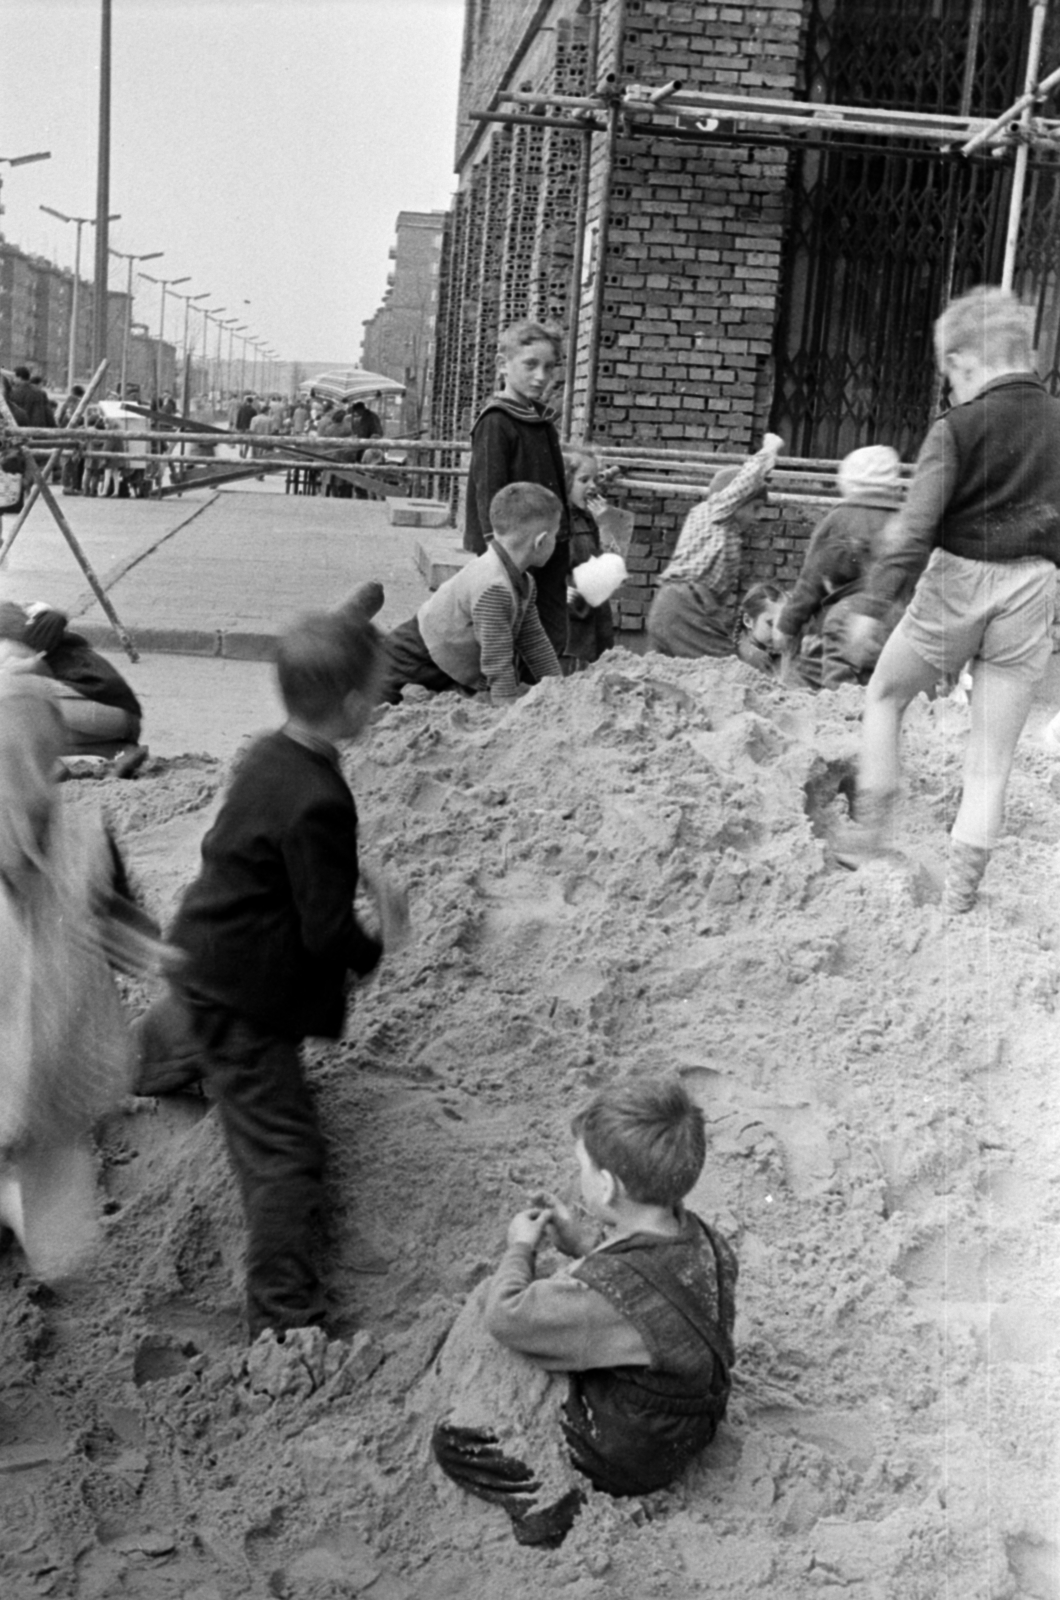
(981, 528)
(642, 1321)
(482, 626)
(269, 933)
(515, 441)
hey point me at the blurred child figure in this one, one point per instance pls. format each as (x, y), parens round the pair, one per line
(692, 613)
(841, 551)
(269, 934)
(481, 627)
(642, 1321)
(980, 532)
(101, 714)
(590, 629)
(65, 913)
(515, 441)
(756, 639)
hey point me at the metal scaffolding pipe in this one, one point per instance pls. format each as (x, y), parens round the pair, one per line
(1019, 174)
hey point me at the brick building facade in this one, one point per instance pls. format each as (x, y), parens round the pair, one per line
(709, 284)
(399, 338)
(36, 301)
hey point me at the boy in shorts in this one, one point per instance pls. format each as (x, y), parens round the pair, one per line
(642, 1320)
(981, 527)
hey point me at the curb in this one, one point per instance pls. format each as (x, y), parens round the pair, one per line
(231, 645)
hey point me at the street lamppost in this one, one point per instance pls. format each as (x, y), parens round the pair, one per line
(228, 323)
(186, 369)
(151, 255)
(233, 329)
(206, 314)
(21, 161)
(165, 283)
(214, 315)
(71, 360)
(245, 340)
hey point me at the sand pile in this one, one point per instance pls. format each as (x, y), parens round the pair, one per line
(626, 872)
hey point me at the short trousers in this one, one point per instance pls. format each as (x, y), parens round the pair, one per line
(999, 612)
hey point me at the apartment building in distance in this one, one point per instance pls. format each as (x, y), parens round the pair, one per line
(399, 339)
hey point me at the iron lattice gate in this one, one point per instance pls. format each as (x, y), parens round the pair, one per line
(881, 233)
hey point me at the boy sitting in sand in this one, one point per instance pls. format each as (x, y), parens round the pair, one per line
(980, 534)
(481, 627)
(642, 1322)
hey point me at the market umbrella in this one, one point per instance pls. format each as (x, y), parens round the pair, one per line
(352, 384)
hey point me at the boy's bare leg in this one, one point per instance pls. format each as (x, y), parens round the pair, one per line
(901, 674)
(1000, 705)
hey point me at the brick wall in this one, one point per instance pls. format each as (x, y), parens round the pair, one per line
(692, 265)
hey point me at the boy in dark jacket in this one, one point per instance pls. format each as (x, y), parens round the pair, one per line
(642, 1321)
(841, 551)
(979, 534)
(269, 932)
(515, 441)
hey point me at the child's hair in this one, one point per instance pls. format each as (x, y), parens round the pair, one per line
(649, 1134)
(575, 457)
(754, 602)
(523, 508)
(989, 323)
(519, 334)
(324, 657)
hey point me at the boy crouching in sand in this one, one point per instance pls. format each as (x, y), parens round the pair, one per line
(269, 934)
(642, 1321)
(481, 627)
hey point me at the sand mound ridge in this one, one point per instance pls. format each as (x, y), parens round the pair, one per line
(626, 872)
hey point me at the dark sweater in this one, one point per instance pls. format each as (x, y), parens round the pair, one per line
(840, 552)
(268, 925)
(511, 443)
(986, 486)
(72, 660)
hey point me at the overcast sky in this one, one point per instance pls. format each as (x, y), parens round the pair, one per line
(266, 146)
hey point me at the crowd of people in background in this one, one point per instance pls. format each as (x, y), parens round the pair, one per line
(118, 466)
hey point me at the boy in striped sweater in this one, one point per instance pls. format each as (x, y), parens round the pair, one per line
(481, 630)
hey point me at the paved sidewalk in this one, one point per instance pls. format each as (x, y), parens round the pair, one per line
(217, 573)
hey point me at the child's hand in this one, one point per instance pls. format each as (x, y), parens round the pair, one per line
(862, 639)
(773, 443)
(526, 1227)
(568, 1234)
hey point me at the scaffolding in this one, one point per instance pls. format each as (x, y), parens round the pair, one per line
(673, 112)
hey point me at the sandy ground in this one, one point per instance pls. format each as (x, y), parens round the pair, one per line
(626, 872)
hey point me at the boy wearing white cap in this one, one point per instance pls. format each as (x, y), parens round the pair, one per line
(841, 551)
(980, 534)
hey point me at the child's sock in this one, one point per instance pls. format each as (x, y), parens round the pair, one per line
(965, 866)
(868, 833)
